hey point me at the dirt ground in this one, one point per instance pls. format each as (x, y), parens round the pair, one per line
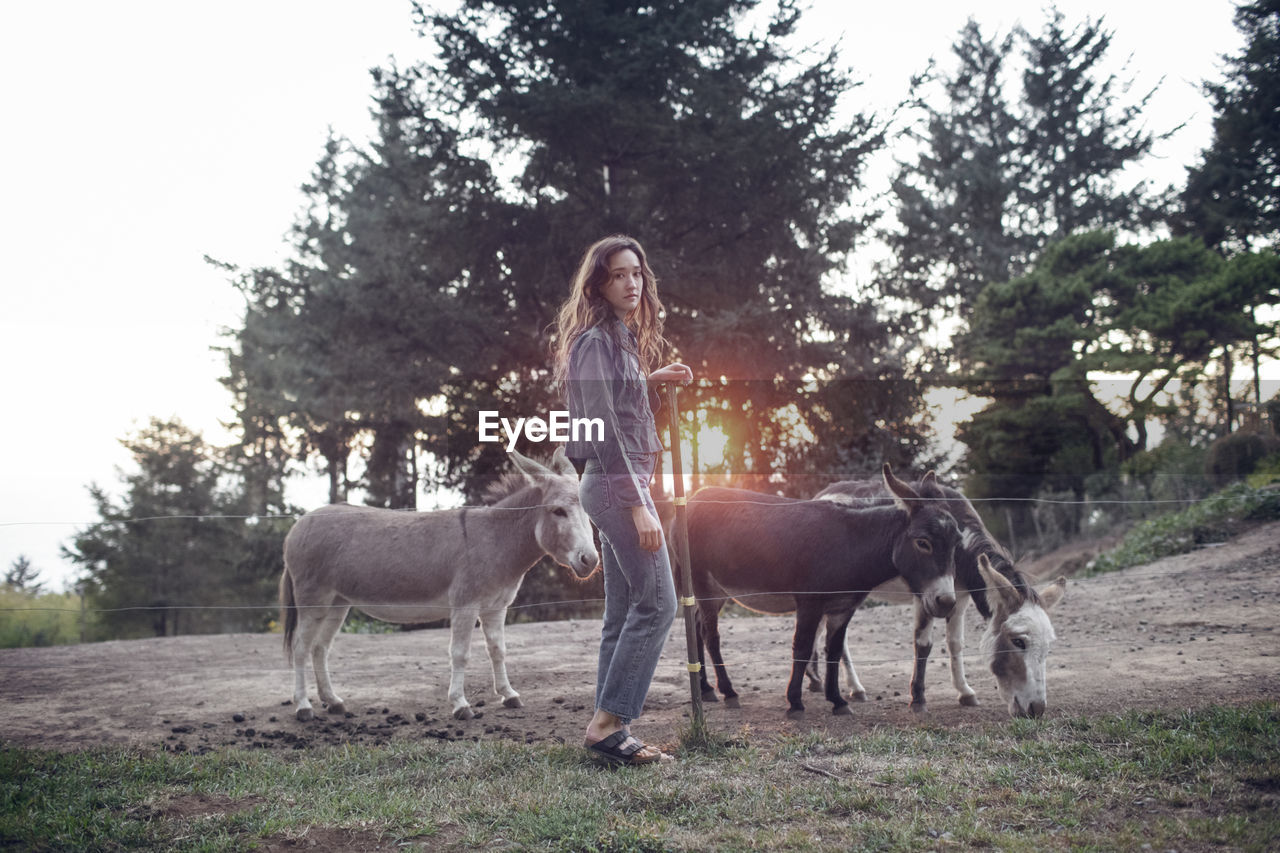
(1187, 631)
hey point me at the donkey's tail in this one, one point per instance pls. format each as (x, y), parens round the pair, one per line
(288, 612)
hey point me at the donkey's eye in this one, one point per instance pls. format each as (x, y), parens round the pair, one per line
(924, 545)
(1019, 643)
(560, 511)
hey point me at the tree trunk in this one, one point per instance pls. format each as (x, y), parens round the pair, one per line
(391, 475)
(1257, 362)
(335, 449)
(1013, 534)
(1228, 366)
(337, 466)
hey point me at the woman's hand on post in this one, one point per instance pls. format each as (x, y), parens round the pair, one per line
(675, 372)
(647, 527)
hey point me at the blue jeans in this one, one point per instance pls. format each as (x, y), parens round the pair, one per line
(639, 593)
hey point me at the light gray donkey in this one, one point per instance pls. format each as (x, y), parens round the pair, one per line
(409, 567)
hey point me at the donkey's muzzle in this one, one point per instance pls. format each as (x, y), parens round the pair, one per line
(1034, 710)
(940, 606)
(585, 564)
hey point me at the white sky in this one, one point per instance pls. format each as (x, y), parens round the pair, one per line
(142, 135)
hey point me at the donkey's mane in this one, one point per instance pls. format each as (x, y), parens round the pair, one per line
(976, 539)
(510, 484)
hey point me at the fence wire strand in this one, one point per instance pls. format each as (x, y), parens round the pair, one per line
(855, 502)
(447, 611)
(1136, 572)
(481, 667)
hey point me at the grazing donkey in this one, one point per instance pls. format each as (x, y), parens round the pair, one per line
(1018, 649)
(818, 558)
(408, 567)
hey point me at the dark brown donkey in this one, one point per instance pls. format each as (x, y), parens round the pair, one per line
(1018, 659)
(818, 558)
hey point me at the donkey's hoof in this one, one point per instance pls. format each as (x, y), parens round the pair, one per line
(795, 713)
(815, 687)
(918, 707)
(512, 702)
(732, 702)
(860, 696)
(305, 715)
(969, 701)
(464, 713)
(337, 709)
(710, 696)
(842, 711)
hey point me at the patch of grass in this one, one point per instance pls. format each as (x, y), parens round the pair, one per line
(1176, 779)
(1214, 519)
(710, 743)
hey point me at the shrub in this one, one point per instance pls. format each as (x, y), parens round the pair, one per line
(1214, 519)
(51, 619)
(358, 623)
(1267, 473)
(1272, 408)
(1235, 456)
(1174, 471)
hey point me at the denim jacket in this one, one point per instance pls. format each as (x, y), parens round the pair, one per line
(605, 382)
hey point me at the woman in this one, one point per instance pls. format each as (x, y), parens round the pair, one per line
(609, 335)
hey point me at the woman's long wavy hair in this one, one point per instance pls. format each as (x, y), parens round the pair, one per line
(586, 306)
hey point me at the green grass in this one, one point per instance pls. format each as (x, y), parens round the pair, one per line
(1178, 779)
(1214, 519)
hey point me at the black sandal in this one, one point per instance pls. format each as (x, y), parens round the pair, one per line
(621, 748)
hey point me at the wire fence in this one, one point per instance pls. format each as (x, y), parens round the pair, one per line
(777, 505)
(969, 657)
(445, 610)
(783, 503)
(478, 663)
(439, 613)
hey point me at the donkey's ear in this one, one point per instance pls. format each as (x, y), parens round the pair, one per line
(560, 463)
(930, 478)
(999, 584)
(530, 468)
(903, 495)
(1054, 592)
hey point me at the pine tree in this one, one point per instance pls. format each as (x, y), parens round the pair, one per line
(165, 559)
(1162, 315)
(1232, 198)
(426, 278)
(22, 576)
(722, 153)
(1005, 170)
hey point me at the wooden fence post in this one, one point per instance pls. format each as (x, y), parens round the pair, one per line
(686, 576)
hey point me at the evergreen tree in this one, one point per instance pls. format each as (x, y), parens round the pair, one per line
(722, 153)
(426, 280)
(163, 560)
(373, 316)
(1165, 316)
(22, 576)
(952, 203)
(429, 267)
(255, 360)
(1232, 198)
(1000, 176)
(1076, 138)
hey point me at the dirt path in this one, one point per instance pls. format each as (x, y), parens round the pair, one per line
(1188, 631)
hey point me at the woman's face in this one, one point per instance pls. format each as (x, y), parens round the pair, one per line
(623, 288)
